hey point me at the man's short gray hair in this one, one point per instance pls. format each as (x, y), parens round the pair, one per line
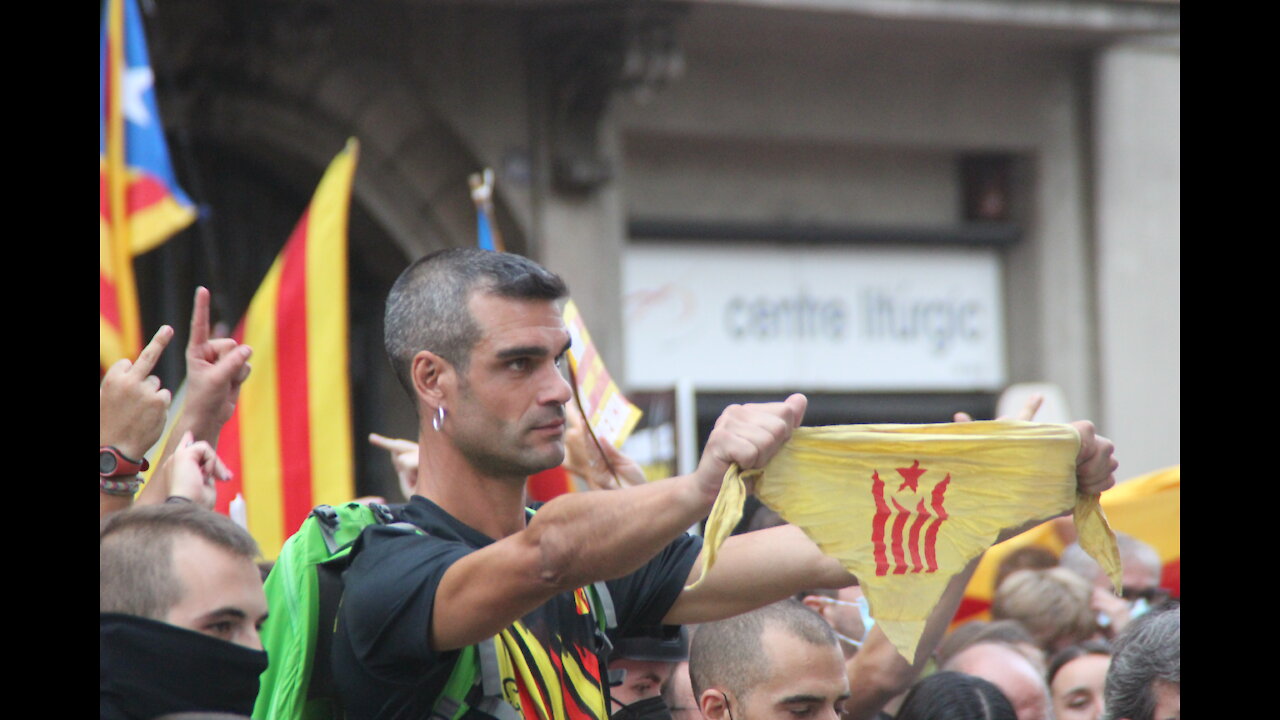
(427, 308)
(1148, 652)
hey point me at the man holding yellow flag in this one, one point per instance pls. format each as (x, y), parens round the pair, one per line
(477, 339)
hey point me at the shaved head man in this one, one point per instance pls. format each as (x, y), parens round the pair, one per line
(780, 661)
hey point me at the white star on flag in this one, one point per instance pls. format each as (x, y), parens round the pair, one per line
(136, 82)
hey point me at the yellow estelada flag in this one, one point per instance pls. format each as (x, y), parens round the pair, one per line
(906, 507)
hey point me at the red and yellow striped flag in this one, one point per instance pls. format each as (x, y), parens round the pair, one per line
(289, 442)
(139, 202)
(611, 416)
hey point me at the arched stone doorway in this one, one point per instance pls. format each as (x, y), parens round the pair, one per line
(256, 103)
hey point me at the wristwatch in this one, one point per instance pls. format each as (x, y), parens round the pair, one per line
(113, 463)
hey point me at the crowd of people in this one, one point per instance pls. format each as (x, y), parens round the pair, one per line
(776, 628)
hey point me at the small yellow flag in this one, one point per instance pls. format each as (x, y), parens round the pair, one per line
(906, 507)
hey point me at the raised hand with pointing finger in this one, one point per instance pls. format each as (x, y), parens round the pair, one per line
(132, 408)
(216, 367)
(131, 404)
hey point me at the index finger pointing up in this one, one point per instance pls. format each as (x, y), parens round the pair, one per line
(199, 319)
(150, 354)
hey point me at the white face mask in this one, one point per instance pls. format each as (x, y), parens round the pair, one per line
(1139, 607)
(1136, 610)
(864, 610)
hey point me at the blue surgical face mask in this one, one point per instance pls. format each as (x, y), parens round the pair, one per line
(1139, 607)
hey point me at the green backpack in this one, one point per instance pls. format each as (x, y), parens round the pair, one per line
(304, 590)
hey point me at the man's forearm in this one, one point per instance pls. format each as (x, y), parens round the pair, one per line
(574, 540)
(585, 537)
(755, 569)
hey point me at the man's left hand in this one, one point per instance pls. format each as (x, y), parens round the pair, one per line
(1095, 463)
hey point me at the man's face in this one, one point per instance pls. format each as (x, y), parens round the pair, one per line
(804, 682)
(222, 593)
(506, 414)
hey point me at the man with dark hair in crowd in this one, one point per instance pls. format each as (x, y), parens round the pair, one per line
(1144, 681)
(779, 661)
(181, 603)
(477, 339)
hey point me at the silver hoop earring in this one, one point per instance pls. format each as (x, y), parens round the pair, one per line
(438, 421)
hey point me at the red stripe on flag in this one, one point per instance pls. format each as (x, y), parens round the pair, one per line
(104, 195)
(970, 606)
(597, 393)
(900, 562)
(229, 451)
(229, 448)
(1171, 577)
(108, 306)
(931, 537)
(144, 191)
(295, 423)
(922, 517)
(877, 525)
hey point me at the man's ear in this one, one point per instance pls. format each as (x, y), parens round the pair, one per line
(813, 603)
(714, 704)
(429, 371)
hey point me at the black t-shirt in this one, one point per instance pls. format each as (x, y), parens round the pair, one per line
(383, 666)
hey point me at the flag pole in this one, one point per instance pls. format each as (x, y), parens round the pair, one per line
(121, 248)
(482, 195)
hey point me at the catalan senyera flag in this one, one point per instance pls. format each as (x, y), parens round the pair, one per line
(1148, 507)
(140, 204)
(289, 442)
(906, 507)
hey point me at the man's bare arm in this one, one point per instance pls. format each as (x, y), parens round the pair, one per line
(753, 570)
(578, 539)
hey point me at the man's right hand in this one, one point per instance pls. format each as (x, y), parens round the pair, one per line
(132, 407)
(748, 435)
(216, 367)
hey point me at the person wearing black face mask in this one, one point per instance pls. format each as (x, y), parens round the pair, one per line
(646, 662)
(181, 602)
